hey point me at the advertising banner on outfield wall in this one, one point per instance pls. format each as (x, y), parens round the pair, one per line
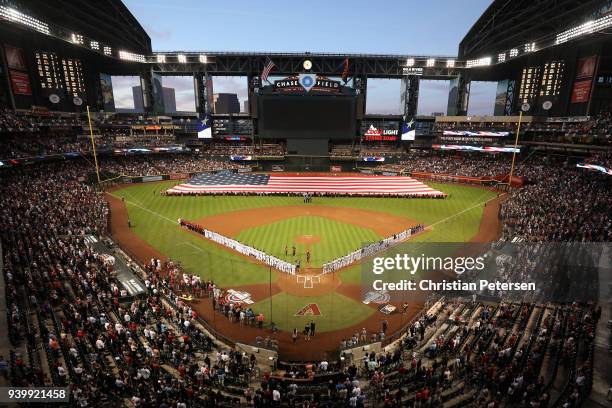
(147, 179)
(515, 271)
(179, 176)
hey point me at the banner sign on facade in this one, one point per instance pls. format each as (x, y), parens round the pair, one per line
(20, 82)
(15, 58)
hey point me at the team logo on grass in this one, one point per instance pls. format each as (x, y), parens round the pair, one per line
(311, 309)
(380, 297)
(236, 296)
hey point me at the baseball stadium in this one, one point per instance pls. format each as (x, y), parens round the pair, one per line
(296, 229)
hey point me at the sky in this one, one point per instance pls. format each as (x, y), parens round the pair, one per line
(433, 27)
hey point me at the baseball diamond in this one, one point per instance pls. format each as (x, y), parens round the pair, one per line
(277, 225)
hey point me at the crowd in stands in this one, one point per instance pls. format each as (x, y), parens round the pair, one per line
(71, 324)
(595, 129)
(467, 164)
(342, 150)
(26, 145)
(462, 352)
(139, 352)
(559, 203)
(242, 149)
(29, 121)
(158, 164)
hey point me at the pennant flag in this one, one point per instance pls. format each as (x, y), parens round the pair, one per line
(266, 71)
(204, 128)
(595, 167)
(345, 70)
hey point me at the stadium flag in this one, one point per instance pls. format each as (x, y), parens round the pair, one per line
(221, 183)
(345, 70)
(204, 128)
(595, 167)
(266, 71)
(408, 130)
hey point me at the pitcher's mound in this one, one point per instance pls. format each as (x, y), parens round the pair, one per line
(307, 239)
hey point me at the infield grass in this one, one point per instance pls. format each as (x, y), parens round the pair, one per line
(331, 239)
(337, 311)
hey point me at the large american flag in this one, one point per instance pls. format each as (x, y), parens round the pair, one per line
(267, 69)
(208, 183)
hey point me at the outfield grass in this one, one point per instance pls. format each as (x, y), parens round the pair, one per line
(337, 311)
(154, 219)
(335, 238)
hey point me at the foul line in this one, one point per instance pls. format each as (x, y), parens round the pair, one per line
(146, 209)
(463, 211)
(193, 246)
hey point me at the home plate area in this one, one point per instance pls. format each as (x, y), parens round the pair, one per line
(308, 280)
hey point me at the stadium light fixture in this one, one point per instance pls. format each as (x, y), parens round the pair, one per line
(480, 62)
(587, 28)
(513, 52)
(94, 45)
(430, 62)
(161, 58)
(182, 58)
(203, 59)
(450, 63)
(410, 62)
(77, 39)
(9, 13)
(530, 47)
(129, 56)
(501, 57)
(108, 50)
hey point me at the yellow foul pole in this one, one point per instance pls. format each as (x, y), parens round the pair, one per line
(518, 130)
(93, 144)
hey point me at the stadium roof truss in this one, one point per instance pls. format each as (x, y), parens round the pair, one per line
(512, 28)
(225, 63)
(507, 29)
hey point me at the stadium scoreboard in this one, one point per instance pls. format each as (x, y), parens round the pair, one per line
(307, 116)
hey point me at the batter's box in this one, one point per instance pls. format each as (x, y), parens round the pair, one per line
(308, 280)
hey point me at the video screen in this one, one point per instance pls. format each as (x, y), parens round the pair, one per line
(289, 116)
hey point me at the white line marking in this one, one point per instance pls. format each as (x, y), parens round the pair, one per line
(463, 211)
(193, 246)
(150, 211)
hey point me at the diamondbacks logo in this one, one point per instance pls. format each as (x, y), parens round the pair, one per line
(311, 309)
(236, 296)
(379, 297)
(307, 81)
